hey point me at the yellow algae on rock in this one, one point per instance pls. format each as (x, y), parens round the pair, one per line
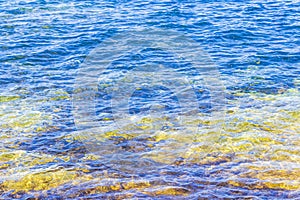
(59, 94)
(46, 27)
(240, 126)
(8, 98)
(147, 120)
(40, 181)
(23, 116)
(254, 130)
(92, 157)
(267, 175)
(21, 162)
(107, 188)
(4, 166)
(103, 186)
(43, 159)
(174, 135)
(11, 156)
(295, 115)
(167, 191)
(107, 119)
(138, 184)
(111, 133)
(24, 122)
(109, 185)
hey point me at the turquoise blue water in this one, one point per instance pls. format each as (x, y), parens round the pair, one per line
(249, 148)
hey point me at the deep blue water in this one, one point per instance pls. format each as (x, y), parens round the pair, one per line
(254, 48)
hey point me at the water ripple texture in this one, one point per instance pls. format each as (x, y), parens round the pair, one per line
(249, 149)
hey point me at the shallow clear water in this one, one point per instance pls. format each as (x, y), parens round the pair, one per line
(242, 141)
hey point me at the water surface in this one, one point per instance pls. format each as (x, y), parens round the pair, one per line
(248, 149)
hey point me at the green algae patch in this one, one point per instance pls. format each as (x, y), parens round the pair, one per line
(8, 98)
